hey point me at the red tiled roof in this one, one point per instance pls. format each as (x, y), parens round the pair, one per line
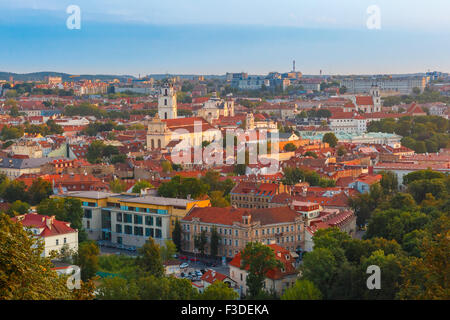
(364, 101)
(212, 276)
(34, 220)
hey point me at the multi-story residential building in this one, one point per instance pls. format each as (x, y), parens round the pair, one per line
(402, 85)
(236, 227)
(14, 168)
(27, 148)
(249, 82)
(53, 233)
(254, 194)
(345, 220)
(130, 219)
(348, 122)
(277, 280)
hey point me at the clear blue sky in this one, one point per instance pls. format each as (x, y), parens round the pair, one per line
(213, 37)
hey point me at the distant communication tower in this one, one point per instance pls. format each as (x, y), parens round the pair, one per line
(293, 65)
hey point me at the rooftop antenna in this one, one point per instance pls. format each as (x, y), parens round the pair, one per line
(293, 65)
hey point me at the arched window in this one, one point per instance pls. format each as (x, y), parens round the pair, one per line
(153, 144)
(165, 92)
(165, 102)
(165, 115)
(159, 143)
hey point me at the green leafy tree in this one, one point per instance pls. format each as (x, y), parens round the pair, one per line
(390, 266)
(140, 185)
(258, 259)
(427, 278)
(24, 273)
(302, 290)
(95, 151)
(166, 288)
(389, 182)
(290, 147)
(87, 259)
(39, 190)
(215, 239)
(149, 259)
(15, 190)
(117, 186)
(168, 250)
(119, 158)
(18, 207)
(320, 267)
(166, 166)
(117, 288)
(310, 154)
(219, 291)
(176, 235)
(200, 241)
(217, 199)
(330, 138)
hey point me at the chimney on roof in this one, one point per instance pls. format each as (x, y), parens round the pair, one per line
(49, 221)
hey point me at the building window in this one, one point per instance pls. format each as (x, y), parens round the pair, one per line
(128, 229)
(158, 221)
(65, 240)
(149, 220)
(119, 216)
(137, 219)
(138, 231)
(158, 233)
(57, 242)
(118, 228)
(149, 232)
(88, 213)
(127, 217)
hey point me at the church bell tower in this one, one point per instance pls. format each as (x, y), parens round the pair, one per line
(167, 102)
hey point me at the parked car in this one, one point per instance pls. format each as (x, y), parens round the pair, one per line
(198, 273)
(194, 259)
(184, 265)
(182, 257)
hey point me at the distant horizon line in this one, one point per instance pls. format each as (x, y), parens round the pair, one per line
(222, 74)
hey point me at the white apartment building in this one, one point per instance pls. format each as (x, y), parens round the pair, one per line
(53, 233)
(403, 85)
(348, 122)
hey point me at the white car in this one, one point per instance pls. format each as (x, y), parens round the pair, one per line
(184, 265)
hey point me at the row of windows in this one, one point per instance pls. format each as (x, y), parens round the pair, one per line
(246, 205)
(224, 231)
(57, 241)
(139, 231)
(256, 199)
(128, 218)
